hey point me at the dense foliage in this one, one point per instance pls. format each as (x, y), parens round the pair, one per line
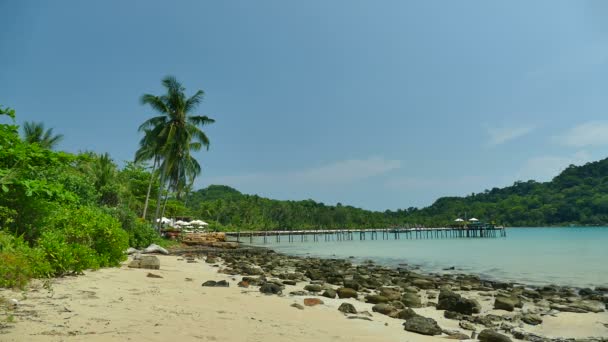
(579, 195)
(62, 213)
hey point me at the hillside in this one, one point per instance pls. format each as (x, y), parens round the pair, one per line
(578, 195)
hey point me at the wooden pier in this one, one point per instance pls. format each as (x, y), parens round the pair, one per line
(368, 234)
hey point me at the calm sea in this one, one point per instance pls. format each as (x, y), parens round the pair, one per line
(564, 256)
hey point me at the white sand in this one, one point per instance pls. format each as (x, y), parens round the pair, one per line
(122, 304)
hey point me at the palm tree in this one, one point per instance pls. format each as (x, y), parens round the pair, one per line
(34, 133)
(176, 133)
(148, 149)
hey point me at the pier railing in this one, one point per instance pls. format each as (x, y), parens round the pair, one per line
(370, 233)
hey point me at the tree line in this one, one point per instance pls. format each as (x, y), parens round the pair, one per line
(577, 196)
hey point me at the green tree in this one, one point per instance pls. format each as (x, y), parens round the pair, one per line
(34, 133)
(176, 133)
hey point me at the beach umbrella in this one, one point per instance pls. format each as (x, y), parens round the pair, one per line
(473, 219)
(163, 220)
(199, 223)
(459, 220)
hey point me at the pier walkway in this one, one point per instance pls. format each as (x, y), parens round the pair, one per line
(368, 234)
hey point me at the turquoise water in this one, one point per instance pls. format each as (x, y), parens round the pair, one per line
(537, 256)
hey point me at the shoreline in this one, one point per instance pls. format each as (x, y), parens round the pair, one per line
(122, 303)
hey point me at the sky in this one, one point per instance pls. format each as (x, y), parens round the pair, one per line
(376, 104)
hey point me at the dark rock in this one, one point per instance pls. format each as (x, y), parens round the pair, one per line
(222, 283)
(375, 299)
(360, 317)
(213, 283)
(423, 284)
(488, 321)
(406, 314)
(329, 293)
(467, 325)
(505, 303)
(298, 293)
(452, 301)
(532, 319)
(150, 262)
(452, 315)
(210, 283)
(390, 293)
(346, 292)
(422, 325)
(152, 275)
(489, 335)
(411, 300)
(210, 260)
(297, 306)
(385, 309)
(347, 308)
(270, 288)
(352, 284)
(313, 288)
(289, 282)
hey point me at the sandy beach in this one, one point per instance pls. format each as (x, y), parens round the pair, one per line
(124, 304)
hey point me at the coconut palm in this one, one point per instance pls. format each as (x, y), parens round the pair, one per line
(148, 149)
(177, 133)
(34, 133)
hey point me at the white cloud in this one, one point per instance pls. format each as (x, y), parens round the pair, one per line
(501, 135)
(592, 133)
(340, 172)
(544, 168)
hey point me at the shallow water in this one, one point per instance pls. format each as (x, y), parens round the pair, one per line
(576, 256)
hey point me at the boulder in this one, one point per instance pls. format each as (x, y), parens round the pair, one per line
(297, 306)
(312, 301)
(213, 283)
(385, 309)
(452, 301)
(532, 319)
(489, 335)
(150, 262)
(346, 292)
(506, 303)
(313, 288)
(375, 299)
(270, 288)
(424, 284)
(154, 248)
(329, 293)
(422, 325)
(390, 293)
(347, 308)
(411, 300)
(406, 314)
(351, 284)
(467, 325)
(132, 250)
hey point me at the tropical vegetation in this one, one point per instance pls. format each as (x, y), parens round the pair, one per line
(577, 196)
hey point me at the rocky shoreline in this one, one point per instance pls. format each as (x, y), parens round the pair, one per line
(483, 309)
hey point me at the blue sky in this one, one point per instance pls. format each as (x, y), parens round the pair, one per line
(378, 104)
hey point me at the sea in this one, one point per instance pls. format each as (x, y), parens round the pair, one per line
(573, 256)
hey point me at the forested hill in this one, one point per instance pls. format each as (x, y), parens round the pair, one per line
(579, 195)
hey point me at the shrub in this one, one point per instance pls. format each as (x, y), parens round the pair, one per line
(141, 233)
(87, 227)
(19, 262)
(64, 257)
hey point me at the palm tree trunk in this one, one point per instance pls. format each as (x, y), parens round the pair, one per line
(158, 200)
(165, 204)
(149, 188)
